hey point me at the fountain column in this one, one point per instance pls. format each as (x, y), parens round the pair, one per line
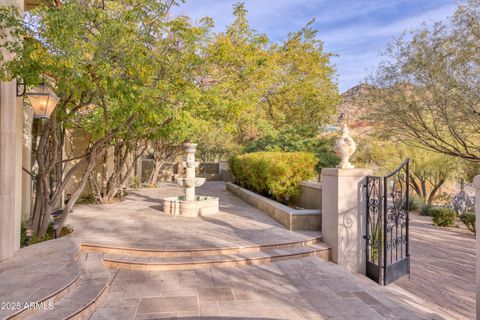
(190, 205)
(190, 166)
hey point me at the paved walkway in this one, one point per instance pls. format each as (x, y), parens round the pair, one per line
(303, 288)
(306, 288)
(138, 222)
(36, 272)
(442, 267)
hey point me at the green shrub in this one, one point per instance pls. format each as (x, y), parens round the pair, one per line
(276, 175)
(414, 203)
(427, 210)
(443, 217)
(468, 219)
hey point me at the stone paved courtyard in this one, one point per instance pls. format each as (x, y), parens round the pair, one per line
(442, 267)
(306, 288)
(139, 223)
(297, 288)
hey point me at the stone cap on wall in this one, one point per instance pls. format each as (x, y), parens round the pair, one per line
(338, 172)
(311, 184)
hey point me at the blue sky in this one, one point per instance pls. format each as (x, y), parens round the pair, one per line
(356, 30)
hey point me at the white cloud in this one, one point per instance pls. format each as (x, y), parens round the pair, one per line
(362, 32)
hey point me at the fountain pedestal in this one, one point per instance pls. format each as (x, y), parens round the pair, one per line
(190, 205)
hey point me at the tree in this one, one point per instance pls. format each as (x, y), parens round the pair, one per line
(429, 170)
(428, 86)
(124, 157)
(265, 88)
(162, 151)
(302, 89)
(122, 70)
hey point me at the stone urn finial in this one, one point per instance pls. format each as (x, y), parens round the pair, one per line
(345, 147)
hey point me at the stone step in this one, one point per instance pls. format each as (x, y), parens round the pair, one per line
(136, 252)
(114, 261)
(81, 301)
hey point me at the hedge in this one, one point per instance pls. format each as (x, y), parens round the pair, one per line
(276, 175)
(443, 217)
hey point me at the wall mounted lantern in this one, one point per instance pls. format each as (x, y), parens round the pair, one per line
(42, 99)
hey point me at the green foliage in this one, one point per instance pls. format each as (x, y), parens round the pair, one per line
(427, 211)
(468, 220)
(26, 240)
(414, 203)
(428, 170)
(66, 230)
(443, 217)
(128, 72)
(268, 87)
(428, 86)
(136, 182)
(276, 175)
(298, 139)
(87, 198)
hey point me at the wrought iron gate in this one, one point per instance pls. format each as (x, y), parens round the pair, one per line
(387, 236)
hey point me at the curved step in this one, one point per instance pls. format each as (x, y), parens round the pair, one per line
(234, 260)
(194, 252)
(43, 303)
(81, 302)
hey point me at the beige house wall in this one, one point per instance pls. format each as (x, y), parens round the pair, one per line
(11, 125)
(75, 145)
(27, 162)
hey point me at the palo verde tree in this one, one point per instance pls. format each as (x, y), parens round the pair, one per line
(114, 66)
(429, 170)
(427, 89)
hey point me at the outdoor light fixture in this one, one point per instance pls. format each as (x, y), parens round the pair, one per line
(21, 87)
(43, 101)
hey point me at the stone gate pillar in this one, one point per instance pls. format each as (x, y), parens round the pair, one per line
(344, 216)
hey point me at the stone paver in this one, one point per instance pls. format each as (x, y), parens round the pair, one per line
(442, 267)
(138, 222)
(306, 288)
(36, 272)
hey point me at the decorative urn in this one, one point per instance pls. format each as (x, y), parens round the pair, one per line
(344, 148)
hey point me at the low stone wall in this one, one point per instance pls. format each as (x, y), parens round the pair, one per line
(169, 170)
(292, 219)
(311, 197)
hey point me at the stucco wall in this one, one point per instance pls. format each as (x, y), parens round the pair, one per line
(11, 123)
(311, 197)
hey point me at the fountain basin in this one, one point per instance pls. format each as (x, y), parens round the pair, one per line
(202, 205)
(190, 182)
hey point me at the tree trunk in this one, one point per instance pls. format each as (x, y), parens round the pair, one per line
(83, 181)
(156, 171)
(434, 191)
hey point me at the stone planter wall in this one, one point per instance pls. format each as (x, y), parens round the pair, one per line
(311, 197)
(292, 219)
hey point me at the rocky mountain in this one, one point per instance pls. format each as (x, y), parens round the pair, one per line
(355, 107)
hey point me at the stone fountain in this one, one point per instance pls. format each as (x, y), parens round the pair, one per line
(190, 205)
